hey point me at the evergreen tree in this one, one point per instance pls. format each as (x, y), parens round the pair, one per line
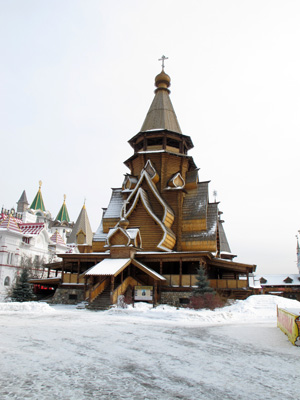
(22, 290)
(203, 286)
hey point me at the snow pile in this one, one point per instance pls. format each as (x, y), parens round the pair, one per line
(26, 307)
(255, 308)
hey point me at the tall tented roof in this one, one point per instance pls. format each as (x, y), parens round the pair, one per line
(161, 114)
(38, 202)
(63, 214)
(22, 203)
(82, 225)
(224, 245)
(23, 198)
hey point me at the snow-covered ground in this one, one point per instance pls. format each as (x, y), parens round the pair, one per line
(60, 352)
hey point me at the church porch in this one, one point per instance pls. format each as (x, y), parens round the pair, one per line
(110, 278)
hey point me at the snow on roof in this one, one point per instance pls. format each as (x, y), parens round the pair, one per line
(132, 232)
(115, 205)
(278, 279)
(151, 270)
(112, 266)
(254, 282)
(109, 266)
(99, 235)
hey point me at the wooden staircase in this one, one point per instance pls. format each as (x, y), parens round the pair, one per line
(101, 302)
(100, 298)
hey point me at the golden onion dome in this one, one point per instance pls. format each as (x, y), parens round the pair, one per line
(162, 80)
(123, 223)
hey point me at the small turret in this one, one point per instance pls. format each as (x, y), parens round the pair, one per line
(38, 202)
(63, 214)
(22, 203)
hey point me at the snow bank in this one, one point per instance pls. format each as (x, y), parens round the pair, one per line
(26, 307)
(257, 308)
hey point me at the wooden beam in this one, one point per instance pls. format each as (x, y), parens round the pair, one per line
(78, 270)
(155, 292)
(63, 271)
(112, 287)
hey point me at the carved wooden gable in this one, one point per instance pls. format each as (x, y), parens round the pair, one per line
(118, 237)
(145, 208)
(176, 182)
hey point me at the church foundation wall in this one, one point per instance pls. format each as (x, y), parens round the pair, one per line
(175, 298)
(68, 296)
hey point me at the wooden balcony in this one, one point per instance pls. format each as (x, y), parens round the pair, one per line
(190, 281)
(72, 278)
(228, 283)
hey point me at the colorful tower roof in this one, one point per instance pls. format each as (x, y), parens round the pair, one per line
(63, 214)
(56, 238)
(38, 202)
(10, 224)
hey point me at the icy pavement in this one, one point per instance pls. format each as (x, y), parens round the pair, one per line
(60, 352)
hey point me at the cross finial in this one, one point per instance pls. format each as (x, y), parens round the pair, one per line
(162, 59)
(40, 184)
(215, 194)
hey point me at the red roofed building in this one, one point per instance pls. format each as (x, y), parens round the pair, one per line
(30, 236)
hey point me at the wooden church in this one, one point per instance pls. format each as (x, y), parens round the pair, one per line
(157, 229)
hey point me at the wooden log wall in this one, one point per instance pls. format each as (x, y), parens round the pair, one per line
(151, 232)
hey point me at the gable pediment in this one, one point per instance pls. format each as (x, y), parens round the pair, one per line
(118, 237)
(141, 195)
(129, 182)
(168, 214)
(149, 168)
(176, 182)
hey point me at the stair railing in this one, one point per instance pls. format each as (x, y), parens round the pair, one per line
(97, 289)
(121, 289)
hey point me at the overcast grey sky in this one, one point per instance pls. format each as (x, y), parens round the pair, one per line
(76, 82)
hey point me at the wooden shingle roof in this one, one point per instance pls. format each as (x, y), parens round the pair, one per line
(82, 224)
(161, 114)
(195, 202)
(211, 232)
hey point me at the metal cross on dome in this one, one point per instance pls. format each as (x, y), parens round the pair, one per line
(162, 59)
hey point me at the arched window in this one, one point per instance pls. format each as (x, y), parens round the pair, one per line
(7, 281)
